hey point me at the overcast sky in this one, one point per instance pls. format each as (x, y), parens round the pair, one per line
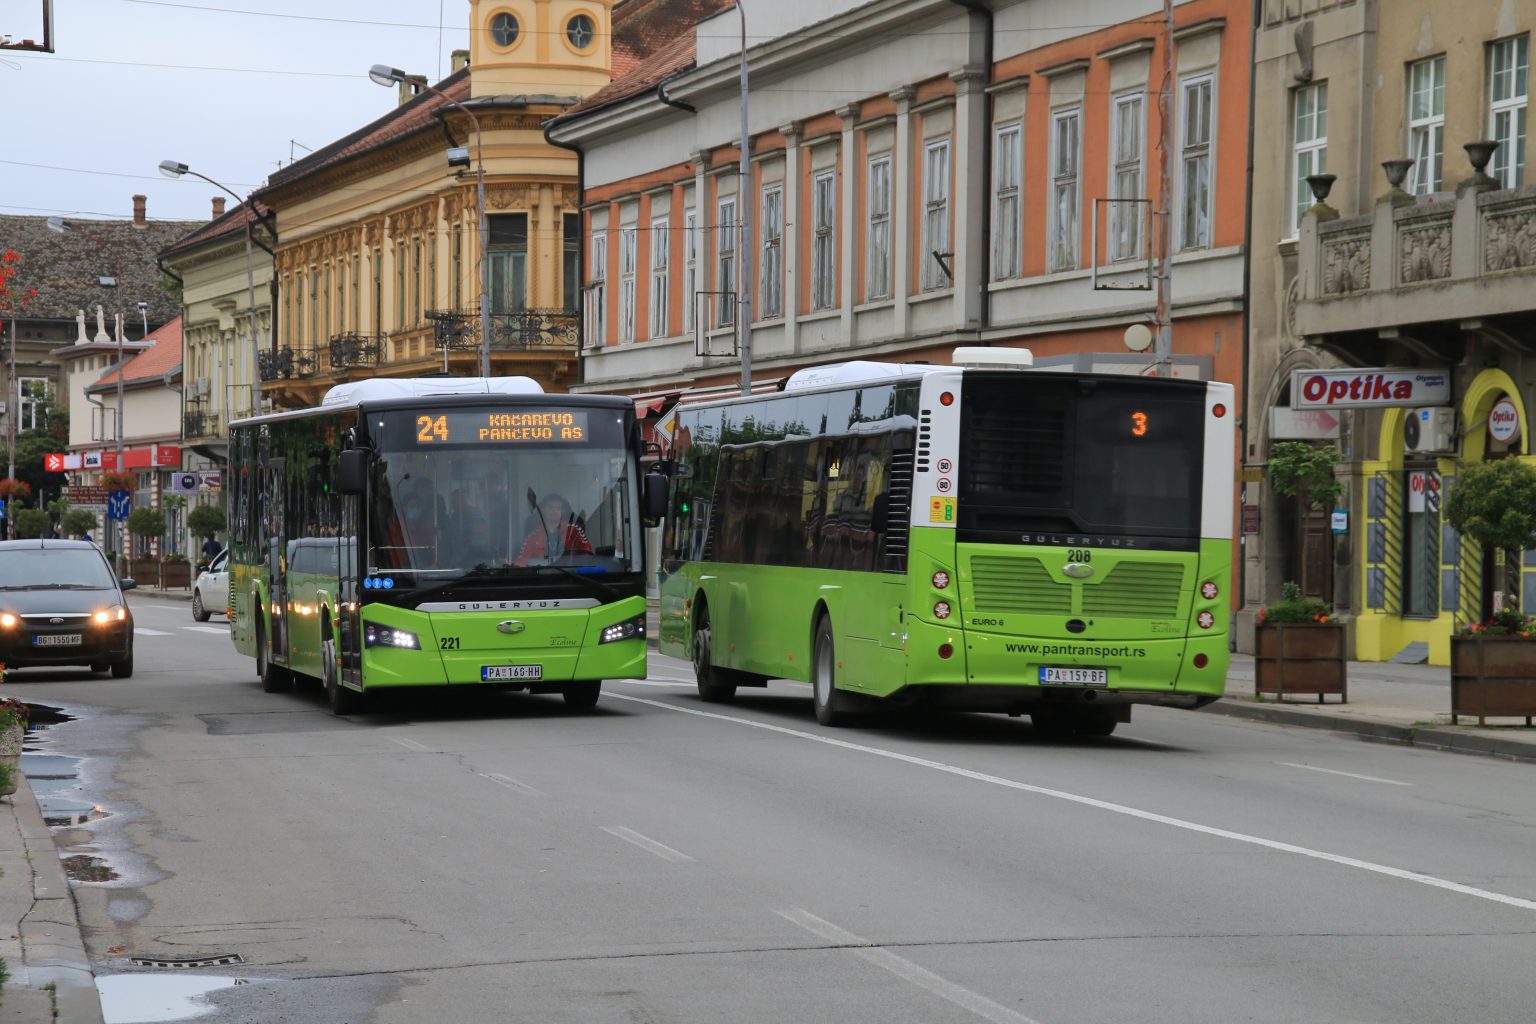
(134, 82)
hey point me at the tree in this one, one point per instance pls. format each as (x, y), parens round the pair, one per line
(1299, 470)
(207, 521)
(78, 522)
(1494, 503)
(146, 522)
(31, 522)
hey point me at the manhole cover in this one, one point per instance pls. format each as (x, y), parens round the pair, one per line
(183, 963)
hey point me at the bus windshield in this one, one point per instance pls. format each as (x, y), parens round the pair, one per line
(475, 490)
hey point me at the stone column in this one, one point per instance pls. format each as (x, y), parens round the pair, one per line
(848, 222)
(792, 234)
(903, 175)
(967, 203)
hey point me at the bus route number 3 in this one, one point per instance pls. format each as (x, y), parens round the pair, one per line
(431, 428)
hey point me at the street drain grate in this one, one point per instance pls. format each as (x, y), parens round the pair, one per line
(179, 964)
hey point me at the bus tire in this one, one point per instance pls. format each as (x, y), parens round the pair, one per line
(582, 695)
(714, 687)
(1052, 721)
(341, 700)
(274, 678)
(833, 706)
(1095, 722)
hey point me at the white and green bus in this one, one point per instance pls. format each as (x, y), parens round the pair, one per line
(986, 536)
(440, 532)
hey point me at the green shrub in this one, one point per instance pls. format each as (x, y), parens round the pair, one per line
(206, 521)
(1294, 608)
(78, 522)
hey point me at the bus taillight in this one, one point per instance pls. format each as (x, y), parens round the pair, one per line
(941, 610)
(1218, 410)
(940, 580)
(947, 398)
(1209, 590)
(1205, 620)
(1201, 661)
(946, 651)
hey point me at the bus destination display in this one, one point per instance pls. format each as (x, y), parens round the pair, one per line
(554, 426)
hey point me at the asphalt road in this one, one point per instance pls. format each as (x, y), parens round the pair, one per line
(499, 858)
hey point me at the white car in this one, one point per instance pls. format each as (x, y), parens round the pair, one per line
(210, 593)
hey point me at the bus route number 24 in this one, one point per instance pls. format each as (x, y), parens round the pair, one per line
(431, 428)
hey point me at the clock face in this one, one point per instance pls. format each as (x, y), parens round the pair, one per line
(580, 31)
(504, 29)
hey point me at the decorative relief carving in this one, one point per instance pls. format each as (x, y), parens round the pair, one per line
(1292, 296)
(1424, 251)
(504, 198)
(1509, 239)
(1346, 264)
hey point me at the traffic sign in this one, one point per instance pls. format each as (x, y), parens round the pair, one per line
(2, 508)
(118, 503)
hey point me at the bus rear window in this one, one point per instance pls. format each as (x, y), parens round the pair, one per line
(1059, 460)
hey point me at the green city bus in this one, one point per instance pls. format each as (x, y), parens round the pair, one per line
(440, 532)
(986, 536)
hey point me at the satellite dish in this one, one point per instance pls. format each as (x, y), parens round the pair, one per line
(1138, 337)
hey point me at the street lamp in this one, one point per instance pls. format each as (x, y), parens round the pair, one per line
(57, 224)
(172, 169)
(382, 74)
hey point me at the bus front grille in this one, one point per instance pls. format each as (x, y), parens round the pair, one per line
(1017, 585)
(1141, 589)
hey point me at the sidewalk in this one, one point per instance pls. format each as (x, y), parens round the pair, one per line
(175, 594)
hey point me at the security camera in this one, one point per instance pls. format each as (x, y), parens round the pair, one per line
(458, 156)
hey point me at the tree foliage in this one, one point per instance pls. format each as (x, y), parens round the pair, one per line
(146, 521)
(78, 522)
(1297, 469)
(206, 521)
(32, 522)
(1494, 503)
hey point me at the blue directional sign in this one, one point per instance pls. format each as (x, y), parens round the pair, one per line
(118, 503)
(2, 509)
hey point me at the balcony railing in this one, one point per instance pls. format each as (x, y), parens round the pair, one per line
(349, 350)
(196, 425)
(284, 363)
(523, 330)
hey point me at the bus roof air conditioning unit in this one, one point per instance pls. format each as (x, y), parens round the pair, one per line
(994, 358)
(1430, 431)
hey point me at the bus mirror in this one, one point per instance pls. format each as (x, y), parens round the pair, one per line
(654, 497)
(353, 471)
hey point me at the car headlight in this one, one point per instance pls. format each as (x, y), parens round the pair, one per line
(623, 630)
(107, 616)
(7, 620)
(375, 635)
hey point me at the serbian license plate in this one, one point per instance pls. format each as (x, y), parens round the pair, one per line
(498, 673)
(57, 640)
(1074, 676)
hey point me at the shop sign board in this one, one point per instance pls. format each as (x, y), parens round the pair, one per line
(1369, 389)
(1287, 424)
(1504, 421)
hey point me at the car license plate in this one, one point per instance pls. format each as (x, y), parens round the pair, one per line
(57, 640)
(497, 673)
(1075, 676)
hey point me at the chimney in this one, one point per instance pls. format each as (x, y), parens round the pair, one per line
(139, 219)
(458, 60)
(413, 86)
(218, 207)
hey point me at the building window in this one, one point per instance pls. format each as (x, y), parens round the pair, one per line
(772, 285)
(508, 258)
(1309, 130)
(935, 216)
(416, 283)
(1007, 159)
(661, 277)
(35, 392)
(1195, 120)
(378, 291)
(877, 249)
(1421, 546)
(357, 296)
(629, 241)
(690, 269)
(1064, 189)
(429, 301)
(1426, 124)
(314, 307)
(597, 290)
(824, 240)
(325, 318)
(400, 261)
(1509, 64)
(1126, 147)
(458, 267)
(295, 334)
(570, 258)
(725, 270)
(341, 296)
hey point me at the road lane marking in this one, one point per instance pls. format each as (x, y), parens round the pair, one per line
(661, 850)
(141, 631)
(410, 744)
(1347, 775)
(656, 682)
(510, 783)
(207, 629)
(905, 969)
(1105, 805)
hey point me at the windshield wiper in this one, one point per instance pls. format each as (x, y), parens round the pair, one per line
(581, 577)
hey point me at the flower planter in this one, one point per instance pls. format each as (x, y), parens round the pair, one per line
(1493, 676)
(175, 574)
(1301, 657)
(145, 571)
(10, 755)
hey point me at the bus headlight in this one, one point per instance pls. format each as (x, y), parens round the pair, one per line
(375, 635)
(107, 616)
(623, 630)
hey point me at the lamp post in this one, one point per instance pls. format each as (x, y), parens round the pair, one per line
(57, 224)
(382, 74)
(172, 169)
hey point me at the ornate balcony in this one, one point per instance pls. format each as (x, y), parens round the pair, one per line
(284, 363)
(351, 349)
(524, 330)
(197, 425)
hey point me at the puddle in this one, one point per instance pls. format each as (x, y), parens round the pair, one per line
(58, 810)
(82, 868)
(143, 998)
(49, 766)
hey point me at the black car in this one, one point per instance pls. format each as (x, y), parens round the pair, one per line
(60, 604)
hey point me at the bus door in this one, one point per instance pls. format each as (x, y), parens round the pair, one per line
(277, 564)
(349, 611)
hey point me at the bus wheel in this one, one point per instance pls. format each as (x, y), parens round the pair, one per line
(582, 695)
(274, 678)
(1052, 721)
(341, 700)
(832, 704)
(712, 685)
(1095, 722)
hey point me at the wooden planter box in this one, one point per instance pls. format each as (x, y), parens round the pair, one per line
(1493, 676)
(1302, 657)
(175, 574)
(145, 571)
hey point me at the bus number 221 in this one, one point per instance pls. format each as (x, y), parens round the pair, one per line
(431, 428)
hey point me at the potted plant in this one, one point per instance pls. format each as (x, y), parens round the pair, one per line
(1300, 648)
(13, 729)
(1304, 472)
(175, 571)
(1493, 662)
(146, 523)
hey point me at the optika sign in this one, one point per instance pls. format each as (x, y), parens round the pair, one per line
(1503, 421)
(1364, 389)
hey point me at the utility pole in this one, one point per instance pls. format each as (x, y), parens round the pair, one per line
(743, 233)
(1165, 200)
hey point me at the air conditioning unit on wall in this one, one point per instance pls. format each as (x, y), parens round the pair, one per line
(1430, 431)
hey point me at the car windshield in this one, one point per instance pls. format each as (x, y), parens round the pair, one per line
(32, 568)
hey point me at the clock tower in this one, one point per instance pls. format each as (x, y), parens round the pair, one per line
(540, 47)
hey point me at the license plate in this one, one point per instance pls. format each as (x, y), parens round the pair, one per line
(1075, 676)
(496, 673)
(57, 640)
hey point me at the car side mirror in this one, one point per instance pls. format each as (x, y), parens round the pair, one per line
(653, 499)
(127, 584)
(352, 471)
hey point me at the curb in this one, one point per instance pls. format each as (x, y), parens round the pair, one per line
(1431, 738)
(161, 595)
(53, 951)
